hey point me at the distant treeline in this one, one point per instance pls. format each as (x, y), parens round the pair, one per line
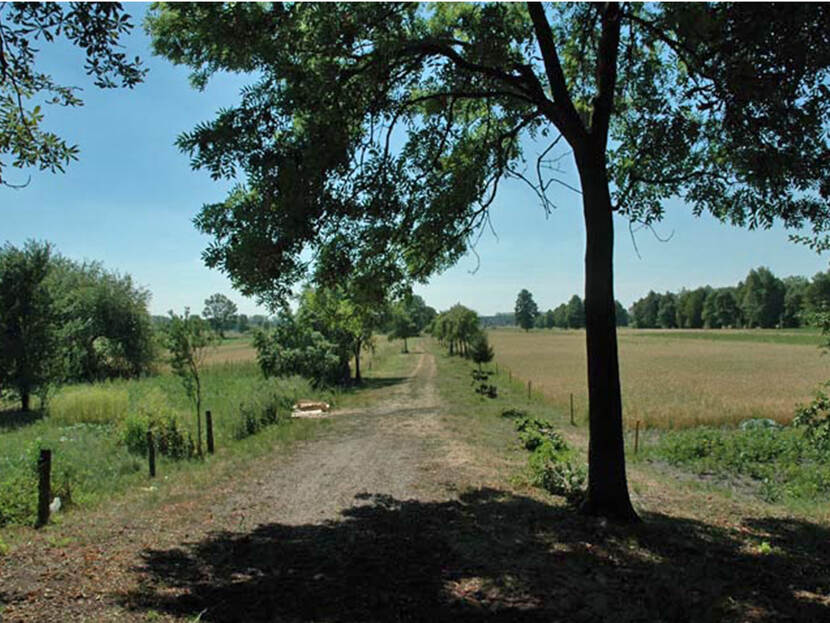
(239, 322)
(761, 300)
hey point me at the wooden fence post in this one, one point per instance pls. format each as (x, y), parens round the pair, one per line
(151, 453)
(209, 431)
(572, 411)
(636, 436)
(44, 489)
(528, 390)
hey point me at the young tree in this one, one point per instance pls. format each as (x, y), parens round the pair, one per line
(525, 310)
(95, 27)
(28, 323)
(706, 102)
(220, 312)
(482, 351)
(188, 340)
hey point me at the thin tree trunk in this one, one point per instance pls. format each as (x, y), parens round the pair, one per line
(607, 487)
(198, 415)
(357, 362)
(405, 349)
(25, 397)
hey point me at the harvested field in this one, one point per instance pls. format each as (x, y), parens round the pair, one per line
(676, 379)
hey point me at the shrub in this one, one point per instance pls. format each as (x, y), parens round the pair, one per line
(267, 406)
(92, 404)
(815, 419)
(513, 413)
(169, 436)
(18, 499)
(533, 432)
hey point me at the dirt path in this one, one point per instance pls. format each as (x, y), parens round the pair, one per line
(99, 571)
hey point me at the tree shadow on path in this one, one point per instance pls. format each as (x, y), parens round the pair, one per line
(491, 555)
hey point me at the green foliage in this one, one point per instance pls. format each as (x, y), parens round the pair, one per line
(105, 330)
(533, 432)
(92, 404)
(96, 28)
(220, 312)
(481, 350)
(550, 461)
(815, 419)
(293, 347)
(762, 299)
(782, 463)
(28, 323)
(575, 313)
(526, 310)
(188, 339)
(456, 328)
(265, 408)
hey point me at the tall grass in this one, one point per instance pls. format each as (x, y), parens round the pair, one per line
(84, 427)
(92, 404)
(670, 380)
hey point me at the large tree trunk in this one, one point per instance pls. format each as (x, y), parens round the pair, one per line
(607, 487)
(24, 401)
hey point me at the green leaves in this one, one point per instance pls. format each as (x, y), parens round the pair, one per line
(95, 27)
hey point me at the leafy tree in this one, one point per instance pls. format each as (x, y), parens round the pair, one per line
(220, 312)
(294, 347)
(667, 311)
(409, 317)
(188, 340)
(96, 28)
(817, 295)
(576, 313)
(644, 311)
(105, 327)
(345, 315)
(456, 328)
(621, 313)
(560, 316)
(242, 324)
(28, 323)
(795, 291)
(481, 351)
(705, 102)
(526, 310)
(690, 308)
(762, 299)
(549, 319)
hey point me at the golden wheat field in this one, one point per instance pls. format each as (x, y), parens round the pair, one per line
(669, 380)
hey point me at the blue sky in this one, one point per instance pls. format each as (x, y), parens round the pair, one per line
(130, 199)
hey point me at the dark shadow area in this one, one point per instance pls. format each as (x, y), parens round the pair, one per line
(12, 419)
(374, 383)
(491, 556)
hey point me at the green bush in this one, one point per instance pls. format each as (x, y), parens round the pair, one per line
(268, 405)
(785, 463)
(533, 432)
(814, 418)
(91, 404)
(169, 436)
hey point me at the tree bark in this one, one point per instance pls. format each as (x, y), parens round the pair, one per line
(357, 363)
(24, 401)
(607, 494)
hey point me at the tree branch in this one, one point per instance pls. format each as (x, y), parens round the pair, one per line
(567, 119)
(607, 53)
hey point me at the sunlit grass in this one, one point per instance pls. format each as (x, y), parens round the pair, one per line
(676, 379)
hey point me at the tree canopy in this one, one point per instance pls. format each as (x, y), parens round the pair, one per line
(220, 312)
(525, 310)
(386, 130)
(94, 27)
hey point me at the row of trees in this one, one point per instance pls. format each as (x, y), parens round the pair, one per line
(570, 315)
(761, 300)
(62, 320)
